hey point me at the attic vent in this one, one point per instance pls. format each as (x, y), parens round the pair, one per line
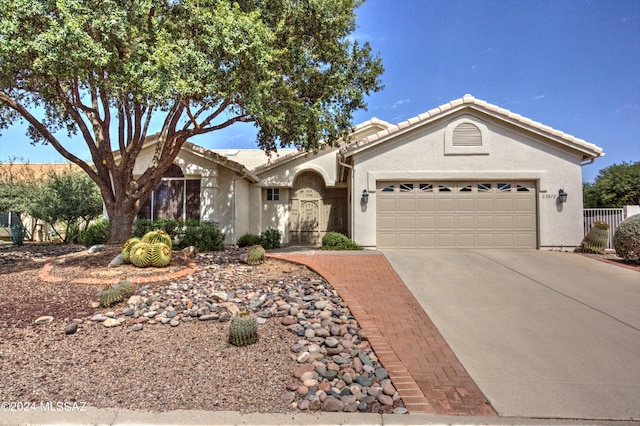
(467, 134)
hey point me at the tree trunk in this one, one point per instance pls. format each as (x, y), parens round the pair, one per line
(121, 217)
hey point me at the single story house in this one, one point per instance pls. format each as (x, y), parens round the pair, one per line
(467, 174)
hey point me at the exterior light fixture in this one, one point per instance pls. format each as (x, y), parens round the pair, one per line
(562, 196)
(365, 196)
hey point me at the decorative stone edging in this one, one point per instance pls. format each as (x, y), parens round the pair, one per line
(46, 276)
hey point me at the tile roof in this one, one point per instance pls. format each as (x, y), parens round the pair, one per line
(253, 158)
(38, 171)
(221, 159)
(467, 101)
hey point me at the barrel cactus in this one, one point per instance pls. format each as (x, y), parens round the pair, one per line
(243, 329)
(596, 239)
(160, 255)
(126, 248)
(116, 293)
(255, 255)
(158, 236)
(110, 296)
(626, 239)
(141, 255)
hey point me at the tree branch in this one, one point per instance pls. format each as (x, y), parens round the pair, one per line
(42, 129)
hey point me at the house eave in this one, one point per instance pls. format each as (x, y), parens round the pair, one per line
(588, 150)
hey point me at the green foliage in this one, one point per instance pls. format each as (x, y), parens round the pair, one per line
(116, 293)
(204, 236)
(243, 329)
(626, 239)
(68, 197)
(171, 226)
(248, 240)
(17, 186)
(596, 239)
(270, 238)
(96, 233)
(292, 68)
(255, 256)
(615, 186)
(337, 241)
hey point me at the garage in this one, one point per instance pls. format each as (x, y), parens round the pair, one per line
(451, 214)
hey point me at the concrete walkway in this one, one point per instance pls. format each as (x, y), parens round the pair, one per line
(424, 370)
(543, 334)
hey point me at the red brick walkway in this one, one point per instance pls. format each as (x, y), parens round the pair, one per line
(422, 367)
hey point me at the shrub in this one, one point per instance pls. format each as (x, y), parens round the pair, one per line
(172, 227)
(248, 240)
(337, 241)
(626, 239)
(270, 238)
(205, 236)
(96, 233)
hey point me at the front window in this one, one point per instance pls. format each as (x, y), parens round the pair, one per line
(273, 194)
(174, 197)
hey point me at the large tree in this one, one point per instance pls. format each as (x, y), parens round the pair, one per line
(617, 185)
(104, 68)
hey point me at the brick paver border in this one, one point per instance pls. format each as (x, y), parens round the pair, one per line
(423, 368)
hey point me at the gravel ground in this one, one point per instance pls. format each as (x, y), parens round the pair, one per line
(159, 368)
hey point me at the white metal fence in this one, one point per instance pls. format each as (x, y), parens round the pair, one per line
(611, 217)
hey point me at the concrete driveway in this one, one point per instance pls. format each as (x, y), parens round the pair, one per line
(543, 334)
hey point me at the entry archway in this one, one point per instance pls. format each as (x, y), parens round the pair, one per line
(315, 209)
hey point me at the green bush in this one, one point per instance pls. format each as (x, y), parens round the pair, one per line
(248, 240)
(270, 238)
(626, 239)
(337, 241)
(172, 227)
(204, 236)
(96, 233)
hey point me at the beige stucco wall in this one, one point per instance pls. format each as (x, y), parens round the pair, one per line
(275, 214)
(224, 195)
(420, 154)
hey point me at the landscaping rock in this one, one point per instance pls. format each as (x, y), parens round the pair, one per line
(71, 328)
(117, 261)
(47, 319)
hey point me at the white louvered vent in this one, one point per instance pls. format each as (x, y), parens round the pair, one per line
(466, 134)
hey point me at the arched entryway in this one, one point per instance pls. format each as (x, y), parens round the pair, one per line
(315, 209)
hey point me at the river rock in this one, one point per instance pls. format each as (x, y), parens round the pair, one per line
(47, 319)
(111, 322)
(71, 328)
(116, 261)
(332, 404)
(97, 248)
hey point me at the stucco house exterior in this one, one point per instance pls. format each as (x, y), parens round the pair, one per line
(467, 174)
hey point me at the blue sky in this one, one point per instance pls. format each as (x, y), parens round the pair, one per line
(573, 65)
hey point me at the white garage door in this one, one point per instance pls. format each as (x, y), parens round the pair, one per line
(456, 214)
